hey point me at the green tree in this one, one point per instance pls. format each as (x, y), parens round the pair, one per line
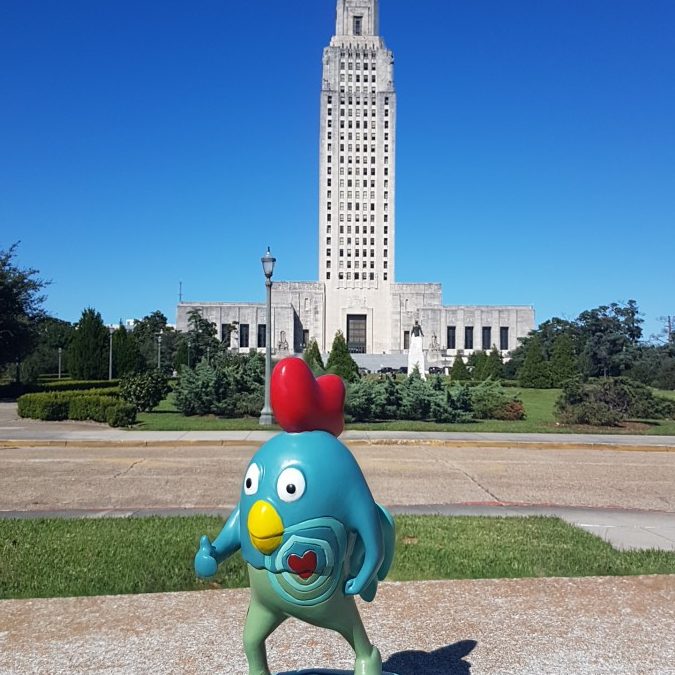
(312, 357)
(535, 372)
(127, 357)
(563, 364)
(89, 349)
(201, 337)
(459, 372)
(340, 361)
(21, 309)
(147, 332)
(52, 334)
(493, 366)
(476, 364)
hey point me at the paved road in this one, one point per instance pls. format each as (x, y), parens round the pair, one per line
(633, 493)
(597, 626)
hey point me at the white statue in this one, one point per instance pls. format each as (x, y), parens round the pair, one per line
(234, 337)
(416, 351)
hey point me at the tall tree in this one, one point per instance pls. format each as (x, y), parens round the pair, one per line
(88, 354)
(535, 372)
(201, 336)
(476, 364)
(340, 361)
(52, 334)
(459, 372)
(127, 357)
(147, 333)
(21, 309)
(563, 364)
(313, 358)
(493, 366)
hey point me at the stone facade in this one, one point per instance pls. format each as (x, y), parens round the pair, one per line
(356, 292)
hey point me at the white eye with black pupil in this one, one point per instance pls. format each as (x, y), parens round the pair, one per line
(291, 485)
(251, 480)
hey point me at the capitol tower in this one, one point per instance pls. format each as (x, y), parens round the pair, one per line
(357, 179)
(356, 292)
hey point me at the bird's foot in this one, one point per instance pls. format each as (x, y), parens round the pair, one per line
(369, 665)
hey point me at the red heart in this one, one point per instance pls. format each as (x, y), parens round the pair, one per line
(304, 567)
(302, 402)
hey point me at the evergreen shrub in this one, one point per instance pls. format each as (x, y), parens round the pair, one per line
(145, 390)
(76, 405)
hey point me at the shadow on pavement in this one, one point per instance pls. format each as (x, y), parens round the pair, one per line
(444, 661)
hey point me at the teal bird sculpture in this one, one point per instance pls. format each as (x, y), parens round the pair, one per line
(306, 523)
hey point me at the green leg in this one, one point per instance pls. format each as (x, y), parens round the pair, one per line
(348, 623)
(261, 622)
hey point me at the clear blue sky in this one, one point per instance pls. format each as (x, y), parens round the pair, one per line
(146, 142)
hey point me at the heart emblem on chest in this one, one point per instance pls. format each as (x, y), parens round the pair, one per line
(304, 567)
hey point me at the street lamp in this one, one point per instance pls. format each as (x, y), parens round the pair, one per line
(189, 344)
(111, 330)
(159, 350)
(60, 352)
(266, 417)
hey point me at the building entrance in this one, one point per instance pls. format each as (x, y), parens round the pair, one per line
(357, 331)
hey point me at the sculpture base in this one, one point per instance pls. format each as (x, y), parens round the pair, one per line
(323, 671)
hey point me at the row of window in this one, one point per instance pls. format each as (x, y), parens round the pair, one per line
(329, 251)
(350, 136)
(486, 338)
(356, 65)
(357, 183)
(351, 172)
(350, 124)
(365, 276)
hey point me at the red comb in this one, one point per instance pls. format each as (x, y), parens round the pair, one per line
(302, 402)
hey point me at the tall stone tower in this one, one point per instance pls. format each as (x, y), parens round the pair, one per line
(357, 180)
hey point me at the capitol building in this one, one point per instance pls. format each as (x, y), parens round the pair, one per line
(356, 292)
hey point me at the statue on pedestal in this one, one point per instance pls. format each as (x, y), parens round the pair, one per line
(282, 346)
(434, 349)
(416, 351)
(234, 337)
(307, 525)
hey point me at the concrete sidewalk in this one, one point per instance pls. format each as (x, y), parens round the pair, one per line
(589, 626)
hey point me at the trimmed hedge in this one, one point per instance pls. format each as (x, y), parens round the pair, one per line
(77, 405)
(14, 390)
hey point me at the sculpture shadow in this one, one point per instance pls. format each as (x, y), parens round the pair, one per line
(444, 661)
(447, 660)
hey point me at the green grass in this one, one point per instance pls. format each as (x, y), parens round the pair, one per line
(57, 558)
(538, 407)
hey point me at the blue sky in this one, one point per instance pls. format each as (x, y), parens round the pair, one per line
(143, 143)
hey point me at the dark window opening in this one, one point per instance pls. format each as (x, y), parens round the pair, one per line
(358, 25)
(262, 335)
(406, 339)
(243, 335)
(504, 338)
(487, 338)
(452, 337)
(356, 333)
(468, 337)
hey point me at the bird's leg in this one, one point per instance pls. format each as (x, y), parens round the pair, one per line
(347, 622)
(261, 621)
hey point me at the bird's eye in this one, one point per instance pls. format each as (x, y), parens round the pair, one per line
(251, 480)
(291, 485)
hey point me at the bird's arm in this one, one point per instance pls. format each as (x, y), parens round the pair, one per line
(370, 531)
(210, 555)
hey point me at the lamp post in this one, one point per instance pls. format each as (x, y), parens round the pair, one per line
(189, 344)
(60, 352)
(111, 330)
(159, 350)
(266, 417)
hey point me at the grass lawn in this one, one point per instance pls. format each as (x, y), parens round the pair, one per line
(538, 407)
(57, 558)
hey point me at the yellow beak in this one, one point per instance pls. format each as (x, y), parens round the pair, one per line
(265, 527)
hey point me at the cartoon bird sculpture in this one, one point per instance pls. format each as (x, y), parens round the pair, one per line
(306, 523)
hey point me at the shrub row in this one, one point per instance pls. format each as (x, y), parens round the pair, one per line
(77, 406)
(14, 390)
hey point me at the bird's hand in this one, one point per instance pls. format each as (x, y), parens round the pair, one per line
(354, 586)
(205, 561)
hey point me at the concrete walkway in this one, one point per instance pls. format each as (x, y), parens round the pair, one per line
(592, 626)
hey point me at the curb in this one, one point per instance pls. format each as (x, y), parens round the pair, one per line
(354, 442)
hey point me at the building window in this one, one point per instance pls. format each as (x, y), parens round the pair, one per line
(487, 338)
(243, 335)
(356, 333)
(452, 337)
(406, 339)
(504, 338)
(468, 337)
(262, 335)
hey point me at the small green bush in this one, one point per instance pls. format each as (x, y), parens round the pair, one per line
(491, 401)
(93, 408)
(79, 385)
(145, 390)
(609, 401)
(121, 414)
